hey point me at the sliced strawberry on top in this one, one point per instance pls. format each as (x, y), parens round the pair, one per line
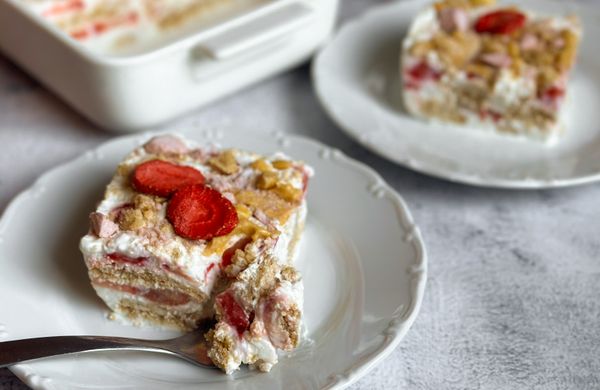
(198, 212)
(162, 178)
(502, 22)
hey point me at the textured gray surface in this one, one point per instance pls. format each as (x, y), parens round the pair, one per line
(513, 297)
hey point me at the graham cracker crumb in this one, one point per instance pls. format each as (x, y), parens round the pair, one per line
(131, 219)
(290, 321)
(290, 274)
(221, 347)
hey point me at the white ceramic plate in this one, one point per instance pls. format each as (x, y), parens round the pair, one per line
(362, 258)
(357, 81)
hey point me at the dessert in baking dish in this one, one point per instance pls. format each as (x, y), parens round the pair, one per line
(186, 233)
(494, 67)
(117, 25)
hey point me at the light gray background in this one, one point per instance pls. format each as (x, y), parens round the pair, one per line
(513, 297)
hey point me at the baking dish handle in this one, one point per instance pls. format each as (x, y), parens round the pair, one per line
(259, 29)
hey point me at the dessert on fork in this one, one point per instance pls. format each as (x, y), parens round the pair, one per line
(188, 232)
(494, 67)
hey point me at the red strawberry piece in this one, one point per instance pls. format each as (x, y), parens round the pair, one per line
(229, 252)
(233, 313)
(198, 212)
(162, 178)
(501, 22)
(552, 97)
(121, 258)
(553, 93)
(422, 71)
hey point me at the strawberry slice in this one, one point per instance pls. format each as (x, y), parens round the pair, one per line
(198, 212)
(419, 74)
(233, 312)
(162, 178)
(502, 22)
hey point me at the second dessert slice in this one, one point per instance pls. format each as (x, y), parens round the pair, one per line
(493, 67)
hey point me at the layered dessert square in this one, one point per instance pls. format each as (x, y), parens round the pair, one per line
(497, 68)
(188, 232)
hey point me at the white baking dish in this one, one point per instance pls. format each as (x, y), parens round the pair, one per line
(137, 91)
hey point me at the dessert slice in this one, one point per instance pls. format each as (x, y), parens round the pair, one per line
(493, 67)
(186, 233)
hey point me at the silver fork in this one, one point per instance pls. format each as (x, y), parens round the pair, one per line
(190, 347)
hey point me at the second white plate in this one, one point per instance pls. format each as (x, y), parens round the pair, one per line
(357, 81)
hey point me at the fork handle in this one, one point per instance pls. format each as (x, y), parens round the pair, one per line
(13, 352)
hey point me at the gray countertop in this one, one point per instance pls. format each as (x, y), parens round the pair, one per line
(513, 296)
